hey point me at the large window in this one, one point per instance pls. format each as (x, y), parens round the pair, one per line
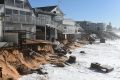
(26, 6)
(1, 1)
(15, 12)
(28, 13)
(22, 12)
(8, 11)
(9, 2)
(19, 3)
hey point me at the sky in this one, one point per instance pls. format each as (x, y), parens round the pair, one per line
(90, 10)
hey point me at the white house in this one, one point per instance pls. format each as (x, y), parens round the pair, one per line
(91, 26)
(70, 27)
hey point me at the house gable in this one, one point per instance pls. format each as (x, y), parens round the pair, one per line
(57, 11)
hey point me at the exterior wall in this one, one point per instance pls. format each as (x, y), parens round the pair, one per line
(11, 37)
(92, 27)
(101, 26)
(1, 29)
(44, 19)
(40, 32)
(1, 8)
(59, 15)
(68, 22)
(19, 16)
(51, 21)
(1, 21)
(70, 27)
(109, 27)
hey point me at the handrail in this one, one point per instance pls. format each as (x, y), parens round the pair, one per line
(33, 20)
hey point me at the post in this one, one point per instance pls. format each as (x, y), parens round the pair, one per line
(0, 72)
(56, 35)
(4, 15)
(45, 32)
(2, 20)
(65, 36)
(1, 27)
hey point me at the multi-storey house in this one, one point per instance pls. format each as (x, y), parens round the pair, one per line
(70, 29)
(18, 16)
(49, 24)
(91, 27)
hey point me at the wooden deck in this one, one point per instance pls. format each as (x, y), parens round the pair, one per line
(29, 41)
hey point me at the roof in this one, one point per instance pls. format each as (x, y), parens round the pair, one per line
(47, 8)
(29, 4)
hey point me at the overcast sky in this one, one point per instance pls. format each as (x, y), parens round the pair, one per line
(90, 10)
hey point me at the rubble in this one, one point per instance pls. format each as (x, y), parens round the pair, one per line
(60, 64)
(72, 59)
(102, 40)
(83, 52)
(101, 68)
(27, 58)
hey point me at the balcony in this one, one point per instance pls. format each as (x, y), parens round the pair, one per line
(20, 19)
(33, 21)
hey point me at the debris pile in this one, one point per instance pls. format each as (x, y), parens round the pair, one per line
(72, 59)
(101, 68)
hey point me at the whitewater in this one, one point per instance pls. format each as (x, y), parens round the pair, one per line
(104, 53)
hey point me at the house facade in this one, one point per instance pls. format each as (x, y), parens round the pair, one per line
(38, 23)
(109, 27)
(91, 27)
(51, 22)
(70, 28)
(1, 19)
(18, 16)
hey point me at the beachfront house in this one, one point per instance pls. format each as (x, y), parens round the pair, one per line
(109, 27)
(1, 21)
(49, 24)
(91, 27)
(18, 16)
(70, 29)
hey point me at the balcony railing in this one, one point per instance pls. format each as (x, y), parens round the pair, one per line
(20, 19)
(33, 20)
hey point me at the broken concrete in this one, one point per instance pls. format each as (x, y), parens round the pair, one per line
(72, 59)
(101, 68)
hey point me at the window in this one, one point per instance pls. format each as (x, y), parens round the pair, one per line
(78, 30)
(26, 6)
(1, 1)
(65, 27)
(8, 11)
(22, 13)
(9, 2)
(19, 3)
(15, 12)
(28, 13)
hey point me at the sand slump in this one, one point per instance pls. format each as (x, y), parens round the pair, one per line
(11, 60)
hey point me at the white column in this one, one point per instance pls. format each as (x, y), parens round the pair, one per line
(1, 28)
(56, 35)
(45, 32)
(65, 36)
